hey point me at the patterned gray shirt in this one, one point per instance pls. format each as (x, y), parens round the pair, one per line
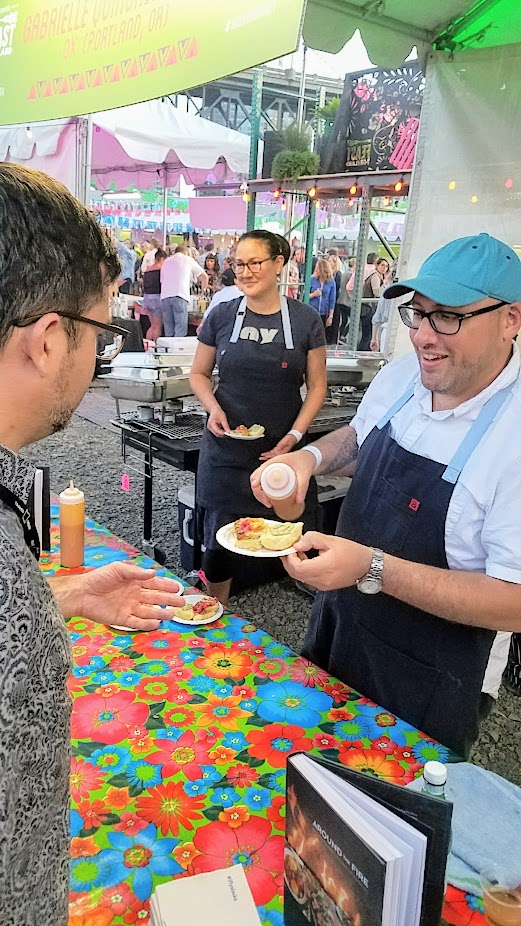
(34, 726)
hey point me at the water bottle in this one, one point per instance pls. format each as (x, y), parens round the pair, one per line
(434, 781)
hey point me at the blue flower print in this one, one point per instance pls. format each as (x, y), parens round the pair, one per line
(224, 634)
(128, 679)
(189, 656)
(249, 704)
(222, 691)
(270, 917)
(292, 703)
(276, 650)
(197, 787)
(383, 723)
(91, 872)
(426, 750)
(235, 740)
(113, 759)
(475, 903)
(210, 773)
(139, 857)
(257, 798)
(353, 730)
(104, 677)
(169, 733)
(201, 684)
(76, 823)
(224, 797)
(142, 774)
(122, 641)
(154, 667)
(277, 781)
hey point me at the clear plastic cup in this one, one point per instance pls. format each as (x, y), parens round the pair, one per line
(501, 897)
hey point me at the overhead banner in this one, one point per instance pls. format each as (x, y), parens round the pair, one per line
(69, 57)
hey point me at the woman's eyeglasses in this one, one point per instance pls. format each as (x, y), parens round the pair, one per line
(108, 343)
(254, 266)
(440, 320)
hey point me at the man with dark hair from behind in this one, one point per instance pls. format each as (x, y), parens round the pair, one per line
(53, 306)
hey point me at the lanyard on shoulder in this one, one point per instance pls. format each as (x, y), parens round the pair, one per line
(26, 519)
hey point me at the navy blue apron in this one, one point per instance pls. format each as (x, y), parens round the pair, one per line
(258, 384)
(426, 670)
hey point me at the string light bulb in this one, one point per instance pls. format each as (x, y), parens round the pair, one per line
(353, 189)
(452, 185)
(508, 183)
(386, 200)
(246, 196)
(283, 205)
(473, 199)
(312, 192)
(398, 186)
(276, 193)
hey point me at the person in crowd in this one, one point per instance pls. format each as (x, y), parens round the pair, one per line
(229, 291)
(322, 291)
(372, 288)
(127, 258)
(50, 320)
(152, 294)
(175, 290)
(150, 256)
(293, 279)
(337, 269)
(512, 674)
(211, 268)
(266, 347)
(208, 249)
(425, 565)
(380, 323)
(299, 257)
(344, 299)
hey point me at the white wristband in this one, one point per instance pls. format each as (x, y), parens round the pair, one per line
(296, 434)
(316, 453)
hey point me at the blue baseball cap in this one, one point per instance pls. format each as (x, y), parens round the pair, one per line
(466, 270)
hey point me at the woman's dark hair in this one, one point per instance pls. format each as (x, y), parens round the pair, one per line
(160, 254)
(211, 257)
(276, 244)
(71, 259)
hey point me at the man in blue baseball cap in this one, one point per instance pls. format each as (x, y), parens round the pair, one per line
(426, 563)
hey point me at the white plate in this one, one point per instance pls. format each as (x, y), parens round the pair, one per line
(289, 853)
(193, 599)
(226, 537)
(243, 436)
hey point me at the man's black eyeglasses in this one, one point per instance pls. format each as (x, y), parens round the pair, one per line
(441, 320)
(106, 348)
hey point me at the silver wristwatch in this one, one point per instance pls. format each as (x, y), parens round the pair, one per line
(371, 583)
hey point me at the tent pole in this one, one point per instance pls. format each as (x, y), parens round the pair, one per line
(310, 241)
(301, 109)
(255, 119)
(356, 300)
(87, 162)
(165, 207)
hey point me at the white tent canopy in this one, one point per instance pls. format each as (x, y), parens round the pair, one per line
(130, 145)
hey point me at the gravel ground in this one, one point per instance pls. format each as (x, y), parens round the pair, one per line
(89, 451)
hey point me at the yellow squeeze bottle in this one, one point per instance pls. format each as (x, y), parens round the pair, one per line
(72, 527)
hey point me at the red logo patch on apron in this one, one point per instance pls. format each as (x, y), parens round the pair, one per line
(284, 365)
(414, 504)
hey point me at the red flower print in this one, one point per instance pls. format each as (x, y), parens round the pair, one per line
(270, 668)
(339, 713)
(168, 807)
(235, 816)
(221, 755)
(157, 688)
(106, 720)
(209, 736)
(307, 673)
(221, 661)
(244, 692)
(224, 711)
(251, 845)
(276, 742)
(179, 717)
(83, 913)
(184, 854)
(117, 898)
(337, 690)
(159, 644)
(82, 848)
(93, 813)
(178, 669)
(242, 776)
(85, 778)
(185, 754)
(108, 691)
(81, 652)
(75, 685)
(121, 663)
(275, 812)
(324, 741)
(138, 913)
(130, 824)
(383, 744)
(117, 798)
(375, 763)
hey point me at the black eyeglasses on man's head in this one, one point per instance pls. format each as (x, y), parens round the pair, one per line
(106, 347)
(443, 321)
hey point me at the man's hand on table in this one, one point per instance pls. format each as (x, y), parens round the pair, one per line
(120, 593)
(339, 562)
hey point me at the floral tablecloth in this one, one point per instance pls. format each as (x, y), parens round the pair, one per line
(180, 739)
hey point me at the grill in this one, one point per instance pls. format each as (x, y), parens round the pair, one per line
(186, 427)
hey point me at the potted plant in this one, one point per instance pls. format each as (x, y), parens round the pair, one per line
(295, 160)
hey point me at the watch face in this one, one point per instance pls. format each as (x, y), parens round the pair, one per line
(369, 586)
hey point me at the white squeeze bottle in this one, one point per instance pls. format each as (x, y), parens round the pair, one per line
(72, 527)
(279, 483)
(434, 781)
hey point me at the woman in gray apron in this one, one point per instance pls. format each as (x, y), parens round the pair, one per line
(265, 348)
